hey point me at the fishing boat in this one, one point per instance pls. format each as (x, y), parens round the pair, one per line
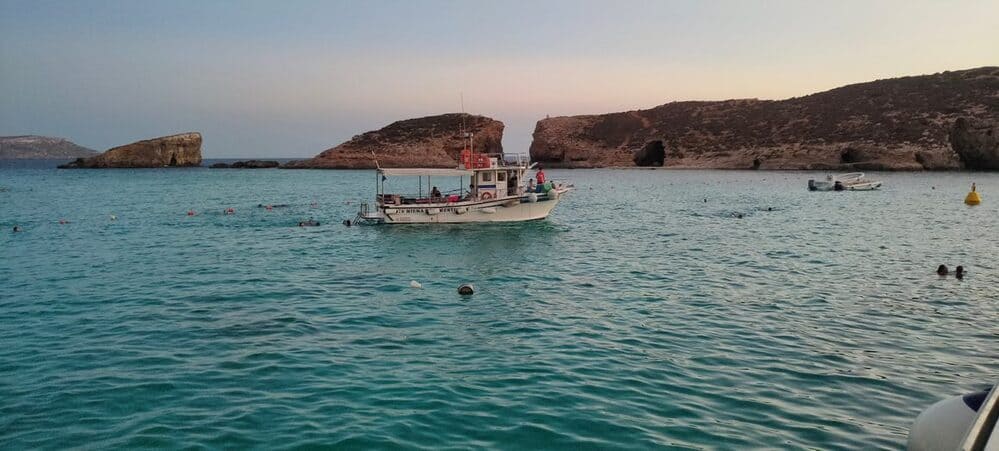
(484, 188)
(853, 181)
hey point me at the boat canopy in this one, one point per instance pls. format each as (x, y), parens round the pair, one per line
(434, 172)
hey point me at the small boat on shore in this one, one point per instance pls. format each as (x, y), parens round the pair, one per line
(853, 181)
(488, 188)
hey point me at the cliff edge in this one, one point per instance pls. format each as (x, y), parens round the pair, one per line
(908, 123)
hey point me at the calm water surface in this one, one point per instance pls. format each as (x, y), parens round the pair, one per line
(637, 316)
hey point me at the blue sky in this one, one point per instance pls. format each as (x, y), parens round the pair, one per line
(292, 78)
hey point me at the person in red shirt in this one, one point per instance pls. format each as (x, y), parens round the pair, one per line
(540, 176)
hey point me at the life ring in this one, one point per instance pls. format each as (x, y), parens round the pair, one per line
(486, 196)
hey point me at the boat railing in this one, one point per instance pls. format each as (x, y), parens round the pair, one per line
(446, 197)
(508, 160)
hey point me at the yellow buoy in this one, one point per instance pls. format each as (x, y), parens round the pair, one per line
(973, 198)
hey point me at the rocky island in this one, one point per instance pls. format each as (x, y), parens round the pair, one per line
(943, 121)
(169, 151)
(426, 142)
(40, 148)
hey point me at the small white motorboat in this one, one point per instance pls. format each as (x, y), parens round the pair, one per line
(853, 181)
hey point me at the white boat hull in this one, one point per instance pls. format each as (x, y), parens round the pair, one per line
(867, 186)
(501, 210)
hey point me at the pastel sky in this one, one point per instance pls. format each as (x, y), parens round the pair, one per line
(292, 78)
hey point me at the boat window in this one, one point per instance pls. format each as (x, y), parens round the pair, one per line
(487, 176)
(501, 176)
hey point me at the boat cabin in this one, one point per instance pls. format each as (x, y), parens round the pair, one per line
(480, 177)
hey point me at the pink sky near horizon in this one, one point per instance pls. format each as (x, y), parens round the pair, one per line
(263, 81)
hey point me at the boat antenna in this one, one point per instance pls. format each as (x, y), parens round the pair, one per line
(464, 133)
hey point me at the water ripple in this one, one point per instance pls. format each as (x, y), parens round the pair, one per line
(638, 316)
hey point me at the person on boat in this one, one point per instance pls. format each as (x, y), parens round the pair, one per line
(540, 176)
(942, 270)
(530, 186)
(959, 272)
(471, 192)
(435, 195)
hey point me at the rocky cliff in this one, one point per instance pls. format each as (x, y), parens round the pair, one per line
(41, 148)
(168, 151)
(426, 142)
(976, 143)
(907, 123)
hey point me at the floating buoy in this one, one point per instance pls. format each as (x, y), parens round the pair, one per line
(466, 289)
(415, 284)
(973, 198)
(114, 217)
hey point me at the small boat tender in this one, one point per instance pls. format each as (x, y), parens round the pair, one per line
(853, 181)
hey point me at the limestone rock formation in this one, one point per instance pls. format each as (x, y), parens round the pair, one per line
(429, 142)
(976, 143)
(248, 164)
(168, 151)
(40, 148)
(893, 124)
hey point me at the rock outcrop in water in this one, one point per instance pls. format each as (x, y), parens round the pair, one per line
(429, 142)
(168, 151)
(248, 164)
(895, 124)
(41, 148)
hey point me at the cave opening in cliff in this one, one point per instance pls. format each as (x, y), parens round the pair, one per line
(653, 154)
(173, 160)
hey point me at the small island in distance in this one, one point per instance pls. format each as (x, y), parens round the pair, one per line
(33, 147)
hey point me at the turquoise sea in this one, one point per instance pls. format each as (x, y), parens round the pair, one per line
(642, 314)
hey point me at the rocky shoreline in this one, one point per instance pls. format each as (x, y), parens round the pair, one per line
(938, 122)
(901, 124)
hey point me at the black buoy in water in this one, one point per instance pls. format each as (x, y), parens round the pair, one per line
(466, 289)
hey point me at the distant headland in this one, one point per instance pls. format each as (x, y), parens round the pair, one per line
(32, 147)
